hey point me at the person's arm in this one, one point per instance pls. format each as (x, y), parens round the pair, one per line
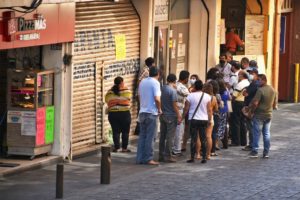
(158, 104)
(275, 103)
(185, 109)
(214, 105)
(238, 40)
(209, 111)
(175, 107)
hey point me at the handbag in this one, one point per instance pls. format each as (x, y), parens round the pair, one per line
(248, 112)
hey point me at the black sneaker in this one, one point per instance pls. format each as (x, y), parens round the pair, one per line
(247, 148)
(253, 154)
(190, 161)
(203, 161)
(265, 155)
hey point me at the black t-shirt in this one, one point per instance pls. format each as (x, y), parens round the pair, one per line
(251, 90)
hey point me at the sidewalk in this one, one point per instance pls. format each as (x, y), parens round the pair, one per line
(231, 175)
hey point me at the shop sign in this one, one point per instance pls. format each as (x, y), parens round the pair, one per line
(120, 41)
(161, 10)
(14, 117)
(15, 27)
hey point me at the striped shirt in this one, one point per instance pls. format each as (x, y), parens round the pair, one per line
(117, 103)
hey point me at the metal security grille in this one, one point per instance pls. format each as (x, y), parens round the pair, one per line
(287, 6)
(95, 66)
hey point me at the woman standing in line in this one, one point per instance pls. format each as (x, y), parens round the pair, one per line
(118, 100)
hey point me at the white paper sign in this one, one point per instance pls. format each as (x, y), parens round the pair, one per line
(161, 10)
(28, 127)
(254, 34)
(181, 50)
(14, 117)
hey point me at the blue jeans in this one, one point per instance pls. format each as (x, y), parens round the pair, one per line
(148, 129)
(261, 126)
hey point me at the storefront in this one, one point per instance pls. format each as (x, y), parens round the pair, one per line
(31, 51)
(107, 45)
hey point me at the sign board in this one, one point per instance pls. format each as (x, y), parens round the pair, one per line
(254, 34)
(120, 41)
(14, 117)
(161, 10)
(40, 126)
(28, 123)
(48, 24)
(49, 137)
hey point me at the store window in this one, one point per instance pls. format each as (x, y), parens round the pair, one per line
(180, 9)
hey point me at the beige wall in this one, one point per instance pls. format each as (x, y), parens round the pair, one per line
(9, 3)
(198, 33)
(144, 9)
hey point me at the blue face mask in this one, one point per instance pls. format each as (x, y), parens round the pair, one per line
(258, 83)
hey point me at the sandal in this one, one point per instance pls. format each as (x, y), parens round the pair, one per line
(126, 150)
(214, 154)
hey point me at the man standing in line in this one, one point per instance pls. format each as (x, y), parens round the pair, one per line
(150, 108)
(225, 68)
(264, 101)
(168, 120)
(182, 93)
(238, 127)
(249, 94)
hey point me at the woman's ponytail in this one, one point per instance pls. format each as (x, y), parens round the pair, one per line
(116, 88)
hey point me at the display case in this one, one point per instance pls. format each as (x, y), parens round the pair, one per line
(30, 116)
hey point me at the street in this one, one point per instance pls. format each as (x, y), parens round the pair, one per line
(231, 175)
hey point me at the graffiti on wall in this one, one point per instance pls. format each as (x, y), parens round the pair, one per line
(93, 40)
(84, 71)
(122, 68)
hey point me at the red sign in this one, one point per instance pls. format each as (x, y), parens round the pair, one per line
(48, 24)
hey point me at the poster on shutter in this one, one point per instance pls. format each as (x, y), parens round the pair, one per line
(28, 123)
(120, 41)
(40, 126)
(181, 50)
(254, 34)
(14, 117)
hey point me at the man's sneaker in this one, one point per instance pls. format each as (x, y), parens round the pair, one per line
(265, 155)
(253, 154)
(247, 148)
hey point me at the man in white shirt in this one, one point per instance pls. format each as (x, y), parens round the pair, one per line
(199, 118)
(238, 126)
(236, 67)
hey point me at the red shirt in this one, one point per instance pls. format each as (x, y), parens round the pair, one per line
(232, 41)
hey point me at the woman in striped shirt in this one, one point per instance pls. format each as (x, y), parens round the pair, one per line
(118, 99)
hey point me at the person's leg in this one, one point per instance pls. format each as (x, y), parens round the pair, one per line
(243, 129)
(171, 128)
(266, 136)
(151, 128)
(113, 119)
(235, 128)
(186, 135)
(209, 140)
(198, 148)
(214, 134)
(257, 127)
(178, 137)
(162, 139)
(140, 154)
(194, 132)
(202, 131)
(125, 121)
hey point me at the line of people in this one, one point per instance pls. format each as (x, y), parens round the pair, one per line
(200, 111)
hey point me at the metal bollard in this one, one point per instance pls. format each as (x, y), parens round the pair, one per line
(105, 165)
(59, 181)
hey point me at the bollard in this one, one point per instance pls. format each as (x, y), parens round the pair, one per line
(105, 165)
(59, 181)
(296, 88)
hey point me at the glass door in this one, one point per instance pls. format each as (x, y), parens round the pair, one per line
(161, 51)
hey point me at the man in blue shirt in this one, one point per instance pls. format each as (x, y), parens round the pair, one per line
(168, 120)
(150, 108)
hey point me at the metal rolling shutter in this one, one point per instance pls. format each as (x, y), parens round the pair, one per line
(95, 66)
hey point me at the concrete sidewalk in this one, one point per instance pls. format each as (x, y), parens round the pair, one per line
(231, 175)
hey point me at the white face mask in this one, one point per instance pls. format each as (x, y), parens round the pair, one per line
(192, 81)
(250, 77)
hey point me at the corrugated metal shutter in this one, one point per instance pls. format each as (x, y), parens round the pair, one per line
(95, 66)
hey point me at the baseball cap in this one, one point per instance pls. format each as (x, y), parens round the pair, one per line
(252, 70)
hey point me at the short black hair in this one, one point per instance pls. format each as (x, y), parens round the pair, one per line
(253, 63)
(263, 77)
(184, 75)
(236, 64)
(149, 61)
(198, 85)
(153, 71)
(171, 78)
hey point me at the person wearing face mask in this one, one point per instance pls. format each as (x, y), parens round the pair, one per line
(249, 94)
(192, 81)
(225, 68)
